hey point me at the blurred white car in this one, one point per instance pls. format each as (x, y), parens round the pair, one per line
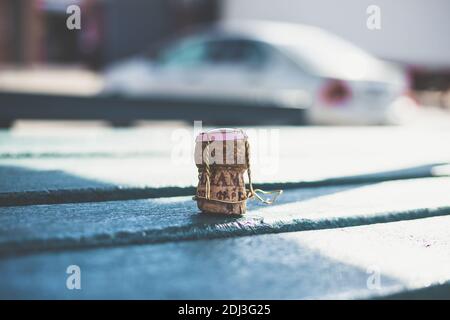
(288, 65)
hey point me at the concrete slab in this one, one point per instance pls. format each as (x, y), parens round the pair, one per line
(163, 156)
(355, 262)
(65, 226)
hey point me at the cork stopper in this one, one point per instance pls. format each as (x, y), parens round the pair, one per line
(220, 156)
(221, 147)
(222, 134)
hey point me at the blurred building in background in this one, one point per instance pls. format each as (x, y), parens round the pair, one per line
(413, 32)
(20, 32)
(35, 32)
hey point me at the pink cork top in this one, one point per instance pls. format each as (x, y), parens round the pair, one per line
(222, 134)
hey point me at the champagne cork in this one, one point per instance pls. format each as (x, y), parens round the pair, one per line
(221, 156)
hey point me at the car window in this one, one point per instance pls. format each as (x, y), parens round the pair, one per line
(185, 54)
(215, 52)
(238, 52)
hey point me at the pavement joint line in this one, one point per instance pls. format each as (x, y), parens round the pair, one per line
(244, 226)
(84, 195)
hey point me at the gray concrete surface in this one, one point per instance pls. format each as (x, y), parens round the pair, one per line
(84, 225)
(358, 202)
(148, 157)
(334, 263)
